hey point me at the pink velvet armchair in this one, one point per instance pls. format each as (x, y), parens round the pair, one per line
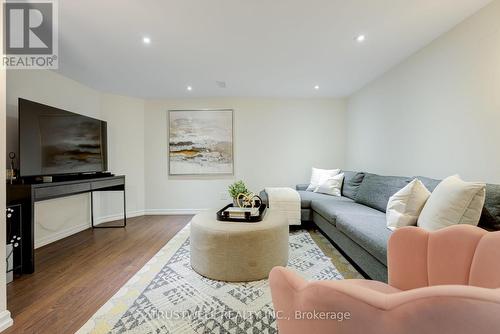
(442, 282)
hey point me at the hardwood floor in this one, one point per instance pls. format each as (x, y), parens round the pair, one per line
(75, 276)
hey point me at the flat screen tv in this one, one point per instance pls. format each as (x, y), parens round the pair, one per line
(53, 141)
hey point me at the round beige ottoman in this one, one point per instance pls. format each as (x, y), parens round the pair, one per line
(238, 252)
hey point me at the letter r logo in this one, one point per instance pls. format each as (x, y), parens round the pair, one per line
(28, 28)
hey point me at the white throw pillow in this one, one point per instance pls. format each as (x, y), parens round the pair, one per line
(331, 185)
(320, 174)
(454, 201)
(405, 206)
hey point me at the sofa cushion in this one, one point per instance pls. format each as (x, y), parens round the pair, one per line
(306, 197)
(330, 210)
(352, 181)
(368, 231)
(375, 190)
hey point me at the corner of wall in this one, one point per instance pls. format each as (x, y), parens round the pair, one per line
(5, 318)
(420, 116)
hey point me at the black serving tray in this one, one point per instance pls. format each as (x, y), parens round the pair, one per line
(248, 218)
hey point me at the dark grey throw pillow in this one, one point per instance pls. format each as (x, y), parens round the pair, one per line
(352, 181)
(490, 217)
(375, 190)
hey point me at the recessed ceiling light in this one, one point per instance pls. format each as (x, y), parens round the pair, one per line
(360, 38)
(189, 88)
(316, 87)
(221, 84)
(146, 40)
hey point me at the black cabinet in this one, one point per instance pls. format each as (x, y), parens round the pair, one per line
(14, 238)
(27, 194)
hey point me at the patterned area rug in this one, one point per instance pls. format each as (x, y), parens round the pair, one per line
(167, 296)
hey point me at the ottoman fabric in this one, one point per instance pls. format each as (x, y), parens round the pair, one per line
(238, 252)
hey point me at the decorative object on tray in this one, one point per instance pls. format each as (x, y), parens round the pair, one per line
(242, 197)
(236, 190)
(246, 205)
(201, 142)
(241, 212)
(245, 215)
(248, 201)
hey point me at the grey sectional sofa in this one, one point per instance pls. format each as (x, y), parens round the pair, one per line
(356, 223)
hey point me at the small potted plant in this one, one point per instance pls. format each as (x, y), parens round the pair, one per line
(236, 189)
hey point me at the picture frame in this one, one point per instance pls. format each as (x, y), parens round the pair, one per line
(201, 142)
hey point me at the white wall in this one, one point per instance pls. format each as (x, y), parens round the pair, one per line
(438, 112)
(125, 117)
(276, 141)
(126, 146)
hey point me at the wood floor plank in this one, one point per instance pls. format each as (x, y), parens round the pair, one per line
(75, 276)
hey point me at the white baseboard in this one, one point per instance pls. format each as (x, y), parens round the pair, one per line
(75, 229)
(60, 235)
(151, 212)
(173, 212)
(5, 320)
(110, 218)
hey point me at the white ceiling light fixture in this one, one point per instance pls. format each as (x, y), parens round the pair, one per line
(146, 40)
(316, 87)
(221, 84)
(360, 38)
(189, 88)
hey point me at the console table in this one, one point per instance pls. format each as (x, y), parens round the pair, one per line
(28, 194)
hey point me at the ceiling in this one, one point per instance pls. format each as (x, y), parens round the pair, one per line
(264, 48)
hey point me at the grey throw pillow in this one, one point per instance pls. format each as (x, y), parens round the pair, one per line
(352, 181)
(375, 190)
(490, 217)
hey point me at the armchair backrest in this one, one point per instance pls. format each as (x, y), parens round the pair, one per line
(461, 254)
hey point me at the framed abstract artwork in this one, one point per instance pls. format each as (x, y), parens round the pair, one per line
(200, 142)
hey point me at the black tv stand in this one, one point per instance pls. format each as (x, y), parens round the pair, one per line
(27, 194)
(66, 177)
(86, 176)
